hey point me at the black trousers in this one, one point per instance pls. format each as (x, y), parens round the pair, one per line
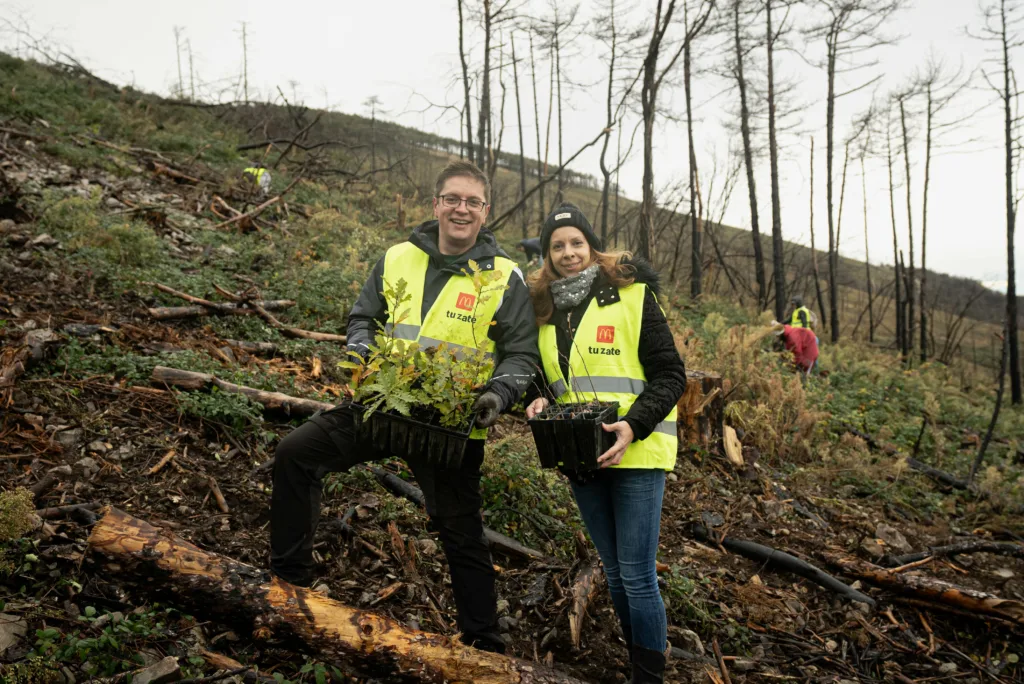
(327, 444)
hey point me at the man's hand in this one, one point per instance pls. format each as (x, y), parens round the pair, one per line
(536, 406)
(487, 409)
(357, 350)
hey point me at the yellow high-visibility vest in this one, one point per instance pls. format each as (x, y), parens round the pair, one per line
(455, 317)
(604, 364)
(795, 319)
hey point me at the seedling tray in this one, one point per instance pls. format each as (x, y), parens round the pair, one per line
(570, 435)
(409, 438)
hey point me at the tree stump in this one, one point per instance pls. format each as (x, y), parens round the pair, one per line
(701, 410)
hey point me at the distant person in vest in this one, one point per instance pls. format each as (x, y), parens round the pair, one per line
(799, 316)
(603, 333)
(432, 262)
(259, 176)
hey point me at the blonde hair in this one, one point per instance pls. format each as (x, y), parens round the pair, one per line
(610, 265)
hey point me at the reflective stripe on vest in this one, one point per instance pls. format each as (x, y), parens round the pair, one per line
(795, 318)
(459, 316)
(604, 364)
(256, 173)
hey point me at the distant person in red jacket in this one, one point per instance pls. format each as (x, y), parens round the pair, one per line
(802, 342)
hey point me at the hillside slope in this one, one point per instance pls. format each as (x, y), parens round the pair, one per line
(116, 194)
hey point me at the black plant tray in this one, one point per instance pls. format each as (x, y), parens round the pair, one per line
(407, 437)
(570, 435)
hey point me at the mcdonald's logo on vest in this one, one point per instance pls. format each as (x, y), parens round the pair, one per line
(606, 334)
(465, 301)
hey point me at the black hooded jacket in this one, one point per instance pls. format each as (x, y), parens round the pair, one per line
(666, 374)
(514, 332)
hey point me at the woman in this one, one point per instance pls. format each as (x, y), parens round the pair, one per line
(603, 333)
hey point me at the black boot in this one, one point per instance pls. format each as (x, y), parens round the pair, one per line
(648, 666)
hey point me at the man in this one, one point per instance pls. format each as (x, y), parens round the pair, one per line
(431, 261)
(531, 247)
(799, 316)
(259, 176)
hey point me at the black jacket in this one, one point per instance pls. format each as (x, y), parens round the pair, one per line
(515, 331)
(666, 375)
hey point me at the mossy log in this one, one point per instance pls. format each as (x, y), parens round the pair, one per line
(701, 410)
(252, 599)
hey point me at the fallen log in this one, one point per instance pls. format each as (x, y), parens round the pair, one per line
(498, 541)
(298, 333)
(780, 560)
(963, 548)
(253, 600)
(940, 476)
(587, 584)
(166, 313)
(253, 347)
(931, 589)
(271, 400)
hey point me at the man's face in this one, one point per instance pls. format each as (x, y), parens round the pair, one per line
(460, 225)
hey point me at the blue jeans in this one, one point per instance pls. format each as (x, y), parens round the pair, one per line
(621, 508)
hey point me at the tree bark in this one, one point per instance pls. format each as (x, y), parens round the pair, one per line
(924, 224)
(910, 321)
(465, 88)
(541, 207)
(814, 253)
(605, 171)
(830, 113)
(867, 254)
(1009, 97)
(253, 600)
(900, 333)
(748, 160)
(778, 245)
(522, 148)
(483, 126)
(701, 410)
(587, 584)
(697, 228)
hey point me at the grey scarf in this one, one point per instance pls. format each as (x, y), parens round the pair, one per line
(570, 291)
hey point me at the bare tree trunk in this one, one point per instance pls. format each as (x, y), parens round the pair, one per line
(924, 225)
(995, 410)
(778, 245)
(605, 171)
(177, 52)
(833, 291)
(558, 74)
(748, 160)
(900, 344)
(551, 111)
(485, 91)
(696, 244)
(867, 255)
(245, 62)
(814, 252)
(910, 321)
(541, 170)
(648, 96)
(522, 148)
(1009, 96)
(465, 88)
(618, 169)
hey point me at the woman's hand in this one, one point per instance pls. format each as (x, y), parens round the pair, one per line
(623, 438)
(536, 406)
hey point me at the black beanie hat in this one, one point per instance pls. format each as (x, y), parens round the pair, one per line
(567, 214)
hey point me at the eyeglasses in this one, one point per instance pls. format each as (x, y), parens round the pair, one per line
(453, 201)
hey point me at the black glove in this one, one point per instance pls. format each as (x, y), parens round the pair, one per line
(487, 408)
(360, 350)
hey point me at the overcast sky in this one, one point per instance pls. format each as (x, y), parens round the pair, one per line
(337, 53)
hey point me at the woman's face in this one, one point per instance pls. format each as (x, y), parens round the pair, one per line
(569, 251)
